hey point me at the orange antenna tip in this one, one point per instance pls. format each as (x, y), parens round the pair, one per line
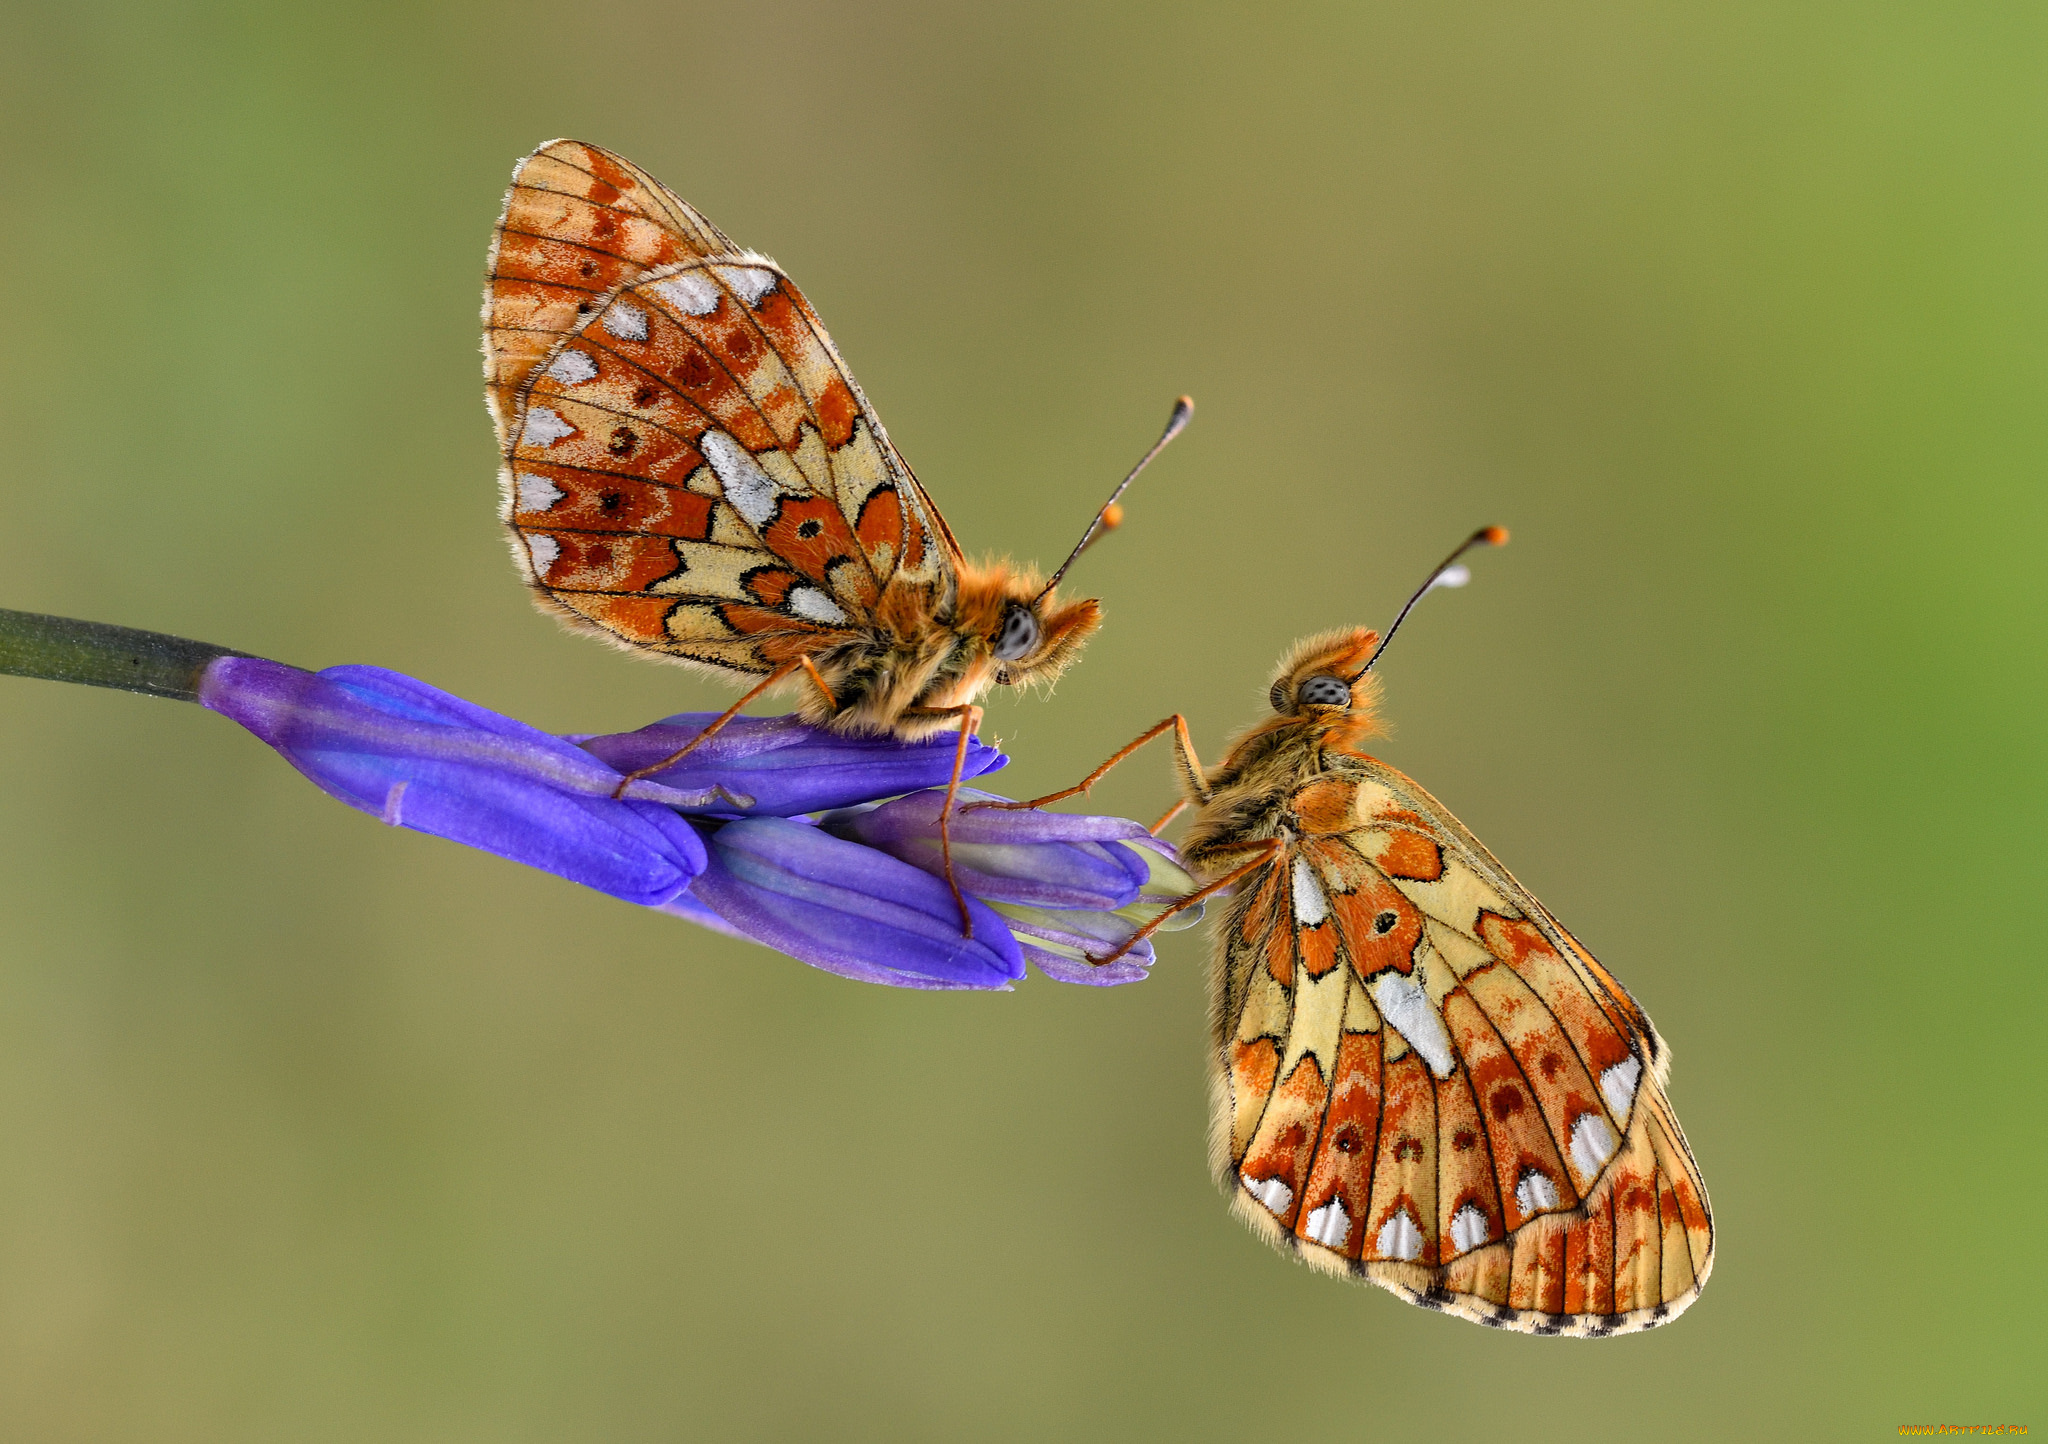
(1449, 573)
(1111, 513)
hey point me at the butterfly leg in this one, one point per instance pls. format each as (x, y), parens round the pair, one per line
(1171, 813)
(787, 669)
(1184, 750)
(970, 723)
(1267, 851)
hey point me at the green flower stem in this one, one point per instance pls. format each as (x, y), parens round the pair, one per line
(61, 649)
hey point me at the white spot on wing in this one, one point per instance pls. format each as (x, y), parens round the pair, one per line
(544, 550)
(1399, 1237)
(692, 293)
(626, 321)
(572, 367)
(750, 283)
(543, 428)
(1618, 1085)
(1469, 1229)
(536, 493)
(1310, 906)
(1271, 1192)
(751, 490)
(1592, 1144)
(1329, 1225)
(1535, 1192)
(1406, 1008)
(814, 606)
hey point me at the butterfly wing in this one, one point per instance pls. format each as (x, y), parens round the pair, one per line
(1425, 1080)
(689, 467)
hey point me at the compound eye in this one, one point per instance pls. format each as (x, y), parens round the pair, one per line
(1325, 692)
(1018, 637)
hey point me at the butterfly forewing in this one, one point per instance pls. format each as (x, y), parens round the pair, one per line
(578, 222)
(1428, 1081)
(689, 465)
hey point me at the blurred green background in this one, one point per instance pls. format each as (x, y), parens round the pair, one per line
(1735, 313)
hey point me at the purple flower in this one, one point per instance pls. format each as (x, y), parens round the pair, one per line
(417, 757)
(848, 908)
(1059, 943)
(717, 838)
(782, 766)
(1071, 885)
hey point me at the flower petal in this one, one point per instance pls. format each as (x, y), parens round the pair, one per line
(850, 909)
(687, 905)
(1130, 968)
(785, 766)
(1166, 883)
(1045, 859)
(417, 757)
(1059, 943)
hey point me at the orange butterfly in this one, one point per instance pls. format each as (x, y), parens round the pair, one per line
(1419, 1077)
(691, 470)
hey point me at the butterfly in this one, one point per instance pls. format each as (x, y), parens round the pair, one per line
(1419, 1077)
(690, 471)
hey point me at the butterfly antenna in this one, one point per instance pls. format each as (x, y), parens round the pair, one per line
(1111, 514)
(1447, 574)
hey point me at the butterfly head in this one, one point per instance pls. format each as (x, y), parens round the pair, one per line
(1014, 632)
(1324, 678)
(1329, 677)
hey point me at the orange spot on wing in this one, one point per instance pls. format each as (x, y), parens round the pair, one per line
(770, 585)
(1286, 1138)
(749, 621)
(1591, 1023)
(691, 369)
(1253, 1065)
(1265, 927)
(881, 521)
(623, 563)
(1413, 856)
(596, 502)
(1405, 1174)
(1515, 1129)
(1323, 808)
(1350, 1140)
(1280, 955)
(609, 180)
(1318, 949)
(1465, 1173)
(1689, 1207)
(1589, 1261)
(689, 360)
(837, 412)
(1363, 909)
(637, 619)
(1539, 1271)
(811, 534)
(558, 263)
(1638, 1246)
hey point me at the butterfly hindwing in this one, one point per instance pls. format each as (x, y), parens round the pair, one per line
(690, 467)
(1425, 1080)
